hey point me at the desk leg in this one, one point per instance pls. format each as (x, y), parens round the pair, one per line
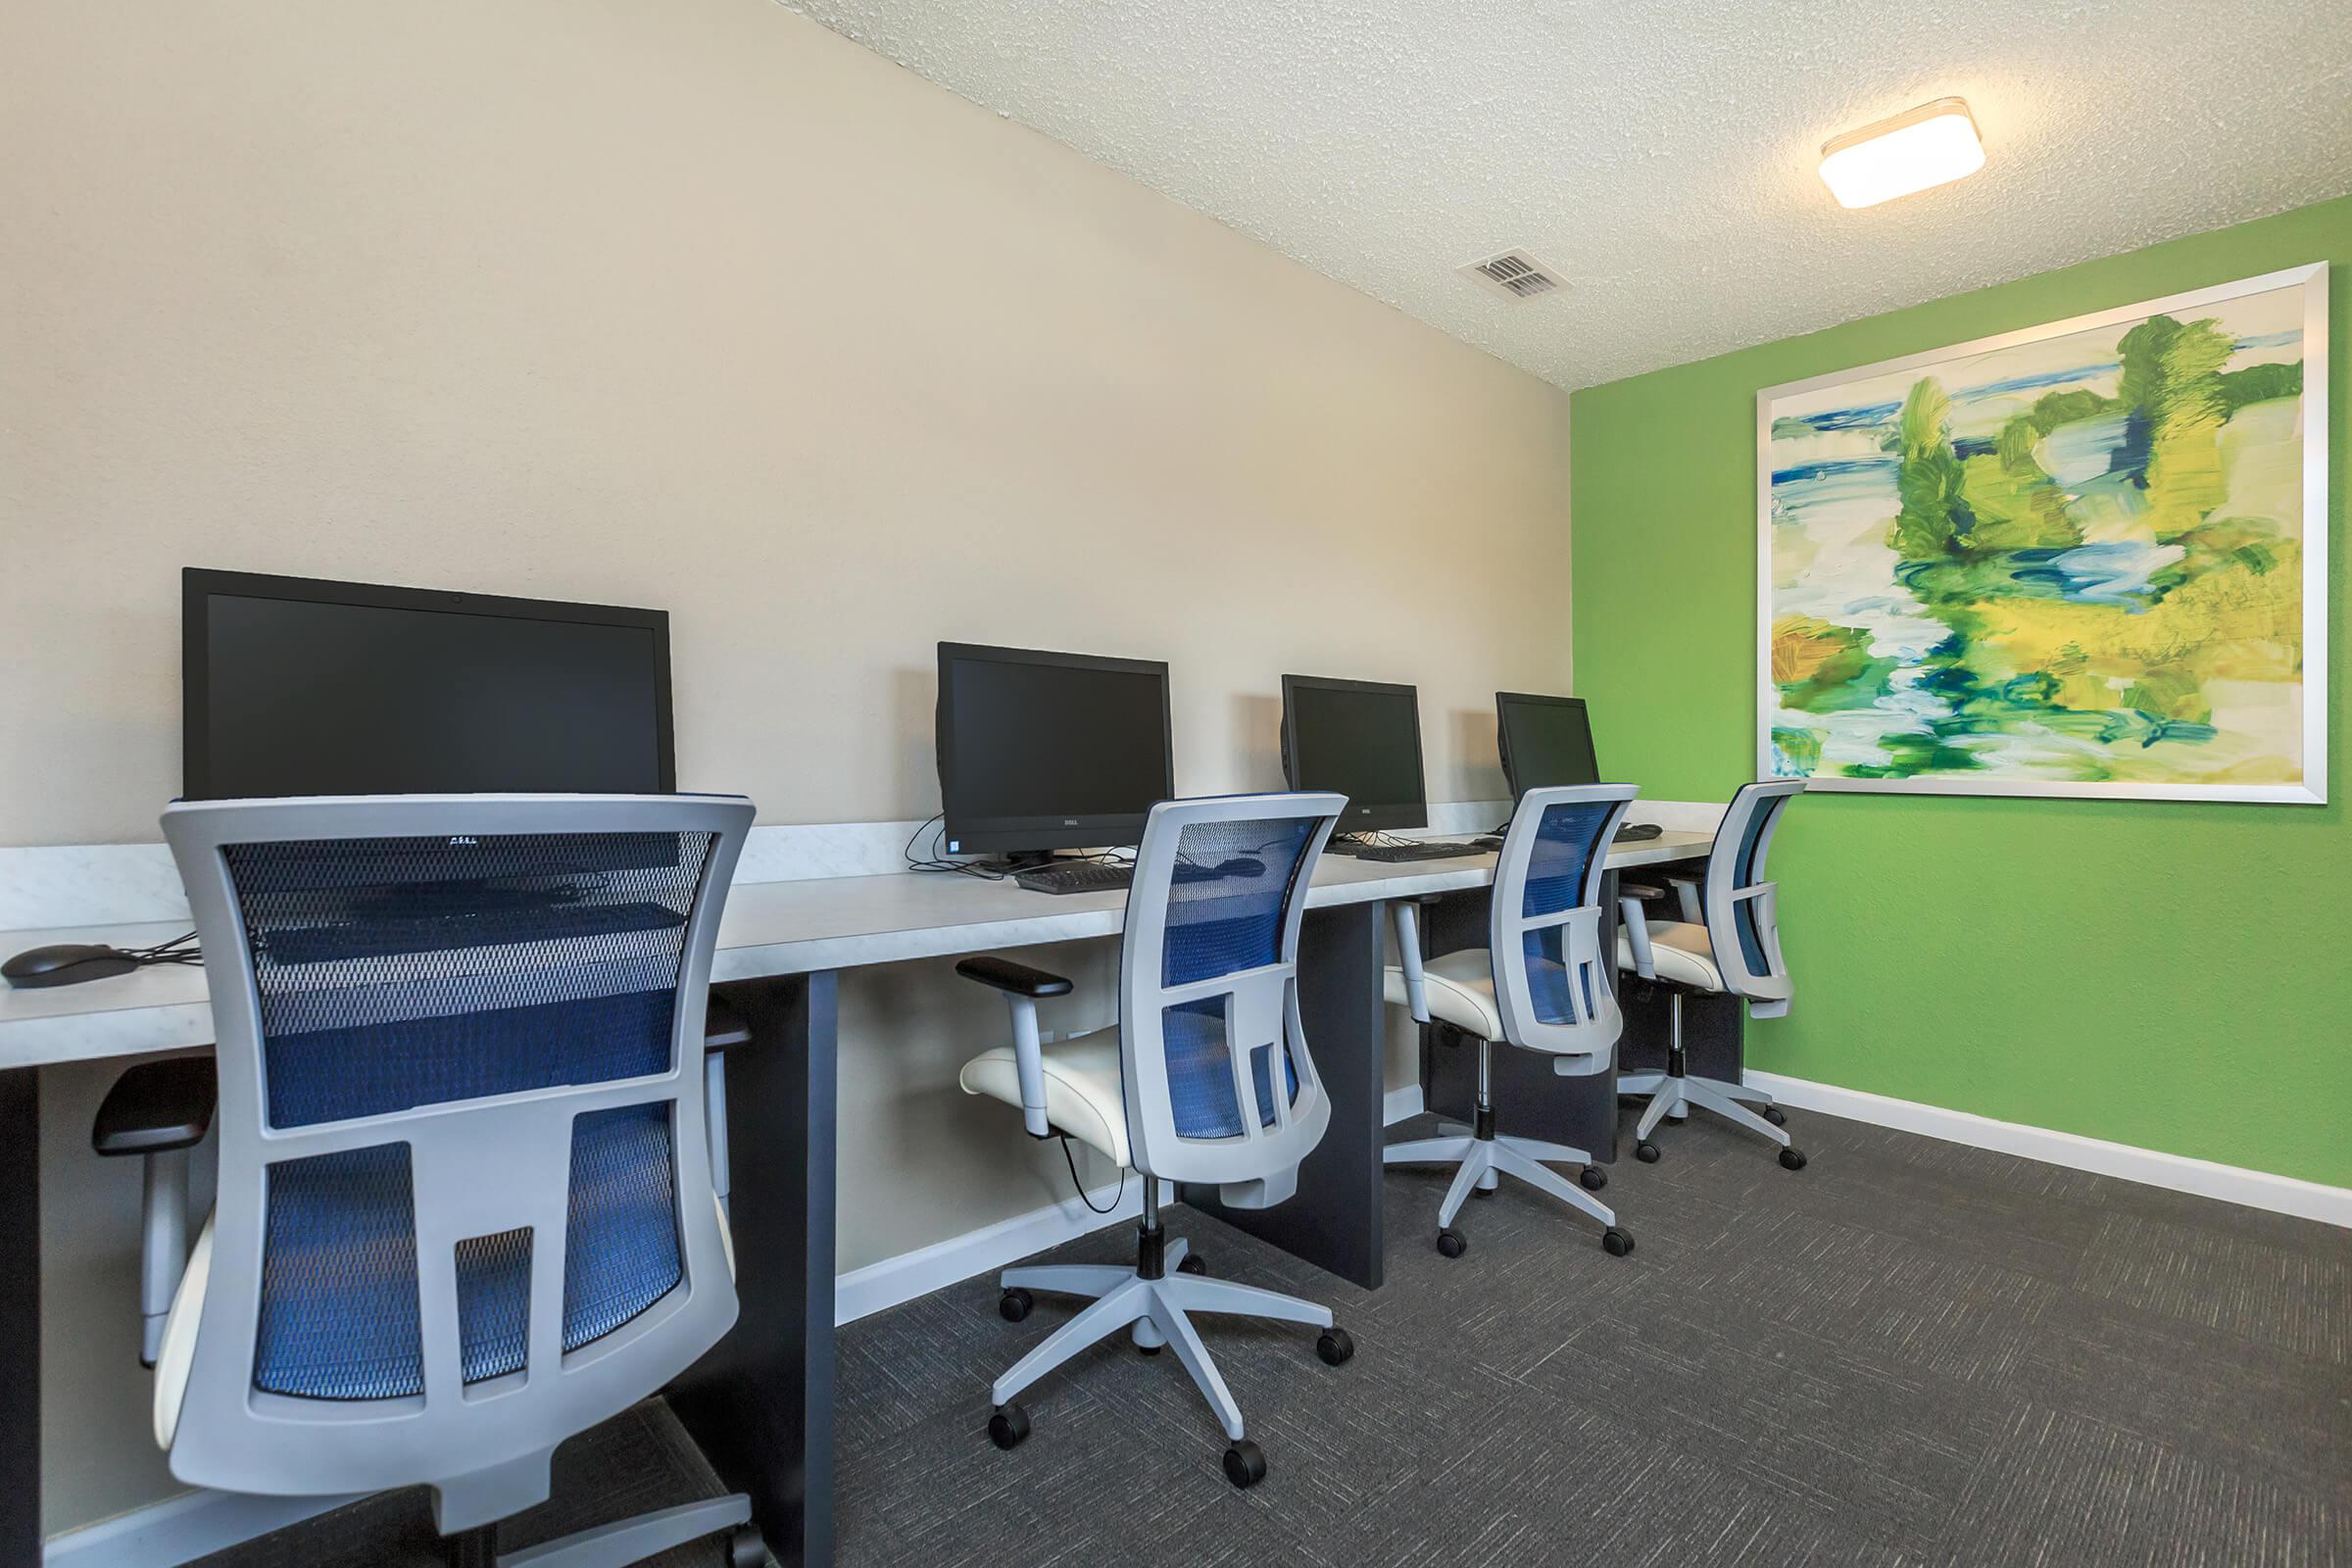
(1333, 1220)
(21, 1315)
(760, 1403)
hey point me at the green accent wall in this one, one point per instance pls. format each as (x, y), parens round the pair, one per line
(2172, 975)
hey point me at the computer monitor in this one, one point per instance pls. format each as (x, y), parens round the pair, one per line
(1041, 750)
(293, 686)
(1546, 742)
(1361, 738)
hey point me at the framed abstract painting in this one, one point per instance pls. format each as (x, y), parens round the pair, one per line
(2087, 559)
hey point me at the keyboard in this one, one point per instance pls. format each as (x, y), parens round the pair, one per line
(1417, 850)
(1077, 876)
(1631, 833)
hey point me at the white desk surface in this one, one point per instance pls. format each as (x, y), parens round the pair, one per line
(770, 928)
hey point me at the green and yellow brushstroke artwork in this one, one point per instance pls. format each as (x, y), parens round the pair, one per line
(2081, 559)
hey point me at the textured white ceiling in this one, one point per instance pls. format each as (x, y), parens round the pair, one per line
(1662, 152)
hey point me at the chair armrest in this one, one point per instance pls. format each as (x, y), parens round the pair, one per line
(1408, 958)
(159, 1110)
(1686, 893)
(1636, 936)
(723, 1028)
(156, 1106)
(1015, 979)
(1022, 987)
(1640, 890)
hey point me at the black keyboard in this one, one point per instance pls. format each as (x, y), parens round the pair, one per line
(1077, 876)
(1417, 850)
(1631, 833)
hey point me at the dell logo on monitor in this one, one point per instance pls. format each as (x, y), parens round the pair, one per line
(1069, 821)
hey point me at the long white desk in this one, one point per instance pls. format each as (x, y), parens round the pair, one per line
(771, 928)
(760, 1404)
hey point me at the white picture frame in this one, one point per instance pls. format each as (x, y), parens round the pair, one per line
(2313, 431)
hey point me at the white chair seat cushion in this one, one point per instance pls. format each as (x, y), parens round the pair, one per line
(1679, 950)
(1082, 1088)
(1460, 987)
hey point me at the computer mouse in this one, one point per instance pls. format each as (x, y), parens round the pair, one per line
(67, 964)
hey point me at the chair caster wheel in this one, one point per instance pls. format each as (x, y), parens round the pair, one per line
(1150, 1349)
(1450, 1243)
(746, 1547)
(1591, 1178)
(1009, 1428)
(1794, 1158)
(1014, 1304)
(1486, 1192)
(1336, 1346)
(1774, 1115)
(1616, 1241)
(1647, 1153)
(1244, 1465)
(1190, 1264)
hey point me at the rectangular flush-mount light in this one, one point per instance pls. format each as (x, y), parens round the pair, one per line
(1918, 148)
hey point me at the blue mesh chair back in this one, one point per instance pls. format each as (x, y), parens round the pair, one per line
(1217, 1072)
(1552, 985)
(1743, 908)
(464, 1193)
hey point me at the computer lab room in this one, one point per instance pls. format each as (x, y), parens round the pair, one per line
(1178, 784)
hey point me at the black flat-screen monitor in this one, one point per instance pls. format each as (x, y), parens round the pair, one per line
(1546, 741)
(1042, 751)
(293, 686)
(1361, 738)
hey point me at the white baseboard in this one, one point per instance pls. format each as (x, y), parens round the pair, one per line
(2232, 1184)
(895, 1281)
(179, 1530)
(863, 1292)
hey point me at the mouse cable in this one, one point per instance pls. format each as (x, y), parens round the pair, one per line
(180, 950)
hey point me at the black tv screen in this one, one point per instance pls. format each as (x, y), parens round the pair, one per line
(1547, 742)
(1041, 750)
(300, 687)
(1361, 739)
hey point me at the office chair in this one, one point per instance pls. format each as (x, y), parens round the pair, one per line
(466, 1199)
(1728, 941)
(1538, 985)
(1208, 1023)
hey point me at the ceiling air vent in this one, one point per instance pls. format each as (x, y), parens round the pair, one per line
(1514, 274)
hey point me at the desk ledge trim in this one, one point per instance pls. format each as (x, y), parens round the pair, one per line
(2151, 1167)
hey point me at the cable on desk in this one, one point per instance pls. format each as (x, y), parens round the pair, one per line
(180, 950)
(937, 861)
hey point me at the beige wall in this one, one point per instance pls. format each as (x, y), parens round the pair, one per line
(692, 304)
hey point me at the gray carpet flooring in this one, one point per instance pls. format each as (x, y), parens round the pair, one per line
(1908, 1353)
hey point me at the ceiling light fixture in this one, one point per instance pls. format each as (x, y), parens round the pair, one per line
(1915, 149)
